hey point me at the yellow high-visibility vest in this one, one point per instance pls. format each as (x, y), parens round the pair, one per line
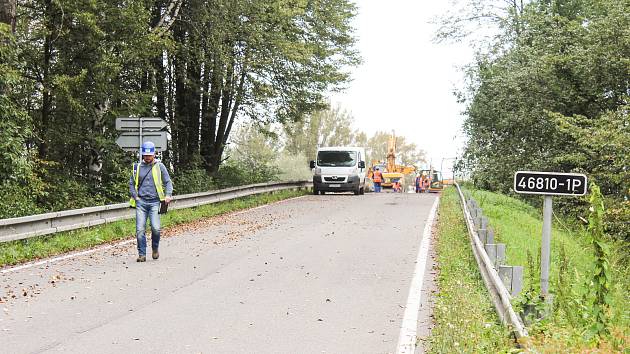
(157, 181)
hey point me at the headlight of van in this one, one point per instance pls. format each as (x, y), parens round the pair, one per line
(318, 171)
(353, 178)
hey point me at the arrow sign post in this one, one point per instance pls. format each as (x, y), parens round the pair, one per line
(548, 184)
(137, 131)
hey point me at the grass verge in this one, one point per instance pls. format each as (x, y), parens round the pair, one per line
(20, 251)
(568, 328)
(465, 321)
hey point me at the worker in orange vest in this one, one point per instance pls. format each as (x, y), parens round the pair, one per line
(426, 183)
(378, 179)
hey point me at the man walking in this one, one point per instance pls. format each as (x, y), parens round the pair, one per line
(378, 179)
(146, 186)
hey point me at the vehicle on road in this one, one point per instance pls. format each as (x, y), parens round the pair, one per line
(339, 169)
(436, 184)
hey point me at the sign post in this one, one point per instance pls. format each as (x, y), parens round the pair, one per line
(548, 184)
(137, 131)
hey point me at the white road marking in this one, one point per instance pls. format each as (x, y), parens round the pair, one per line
(61, 258)
(106, 247)
(408, 329)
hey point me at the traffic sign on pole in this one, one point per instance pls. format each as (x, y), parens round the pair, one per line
(140, 130)
(133, 124)
(131, 141)
(548, 184)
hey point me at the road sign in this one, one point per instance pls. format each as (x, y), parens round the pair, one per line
(550, 183)
(133, 124)
(131, 141)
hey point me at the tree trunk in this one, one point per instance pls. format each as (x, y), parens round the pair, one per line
(179, 121)
(226, 103)
(46, 94)
(208, 136)
(7, 12)
(193, 93)
(158, 68)
(160, 86)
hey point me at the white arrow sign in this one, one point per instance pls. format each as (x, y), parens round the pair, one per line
(133, 124)
(131, 141)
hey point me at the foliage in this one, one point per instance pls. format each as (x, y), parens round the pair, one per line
(465, 321)
(407, 154)
(331, 126)
(574, 273)
(602, 274)
(549, 93)
(602, 149)
(192, 180)
(73, 67)
(20, 186)
(293, 167)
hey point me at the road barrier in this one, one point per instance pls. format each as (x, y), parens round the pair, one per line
(49, 223)
(490, 257)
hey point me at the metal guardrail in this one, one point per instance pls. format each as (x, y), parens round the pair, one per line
(49, 223)
(498, 292)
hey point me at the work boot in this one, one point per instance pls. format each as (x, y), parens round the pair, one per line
(141, 259)
(155, 254)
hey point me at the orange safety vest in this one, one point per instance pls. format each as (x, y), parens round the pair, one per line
(378, 177)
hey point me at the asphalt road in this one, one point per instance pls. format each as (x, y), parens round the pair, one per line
(316, 274)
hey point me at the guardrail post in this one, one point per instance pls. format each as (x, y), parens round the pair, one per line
(512, 277)
(505, 273)
(490, 235)
(491, 251)
(473, 211)
(483, 234)
(500, 255)
(517, 280)
(479, 221)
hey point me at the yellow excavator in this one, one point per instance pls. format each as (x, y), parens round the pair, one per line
(391, 171)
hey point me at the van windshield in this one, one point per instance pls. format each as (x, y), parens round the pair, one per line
(336, 158)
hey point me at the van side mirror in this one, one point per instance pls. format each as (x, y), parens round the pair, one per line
(361, 164)
(312, 164)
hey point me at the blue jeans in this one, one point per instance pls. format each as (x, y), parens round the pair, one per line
(377, 187)
(148, 210)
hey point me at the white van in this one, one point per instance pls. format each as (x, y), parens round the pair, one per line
(339, 169)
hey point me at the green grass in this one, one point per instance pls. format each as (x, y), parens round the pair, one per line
(465, 321)
(519, 226)
(16, 252)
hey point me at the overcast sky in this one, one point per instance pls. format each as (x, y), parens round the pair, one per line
(406, 82)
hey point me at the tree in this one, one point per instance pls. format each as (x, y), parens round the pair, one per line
(73, 67)
(7, 13)
(529, 105)
(19, 185)
(602, 150)
(500, 20)
(261, 60)
(407, 154)
(327, 127)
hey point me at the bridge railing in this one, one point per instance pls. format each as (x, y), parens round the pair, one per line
(49, 223)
